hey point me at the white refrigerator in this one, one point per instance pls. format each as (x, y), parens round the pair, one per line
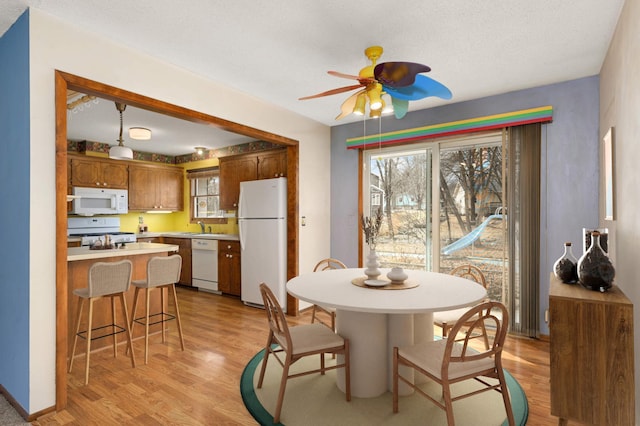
(262, 221)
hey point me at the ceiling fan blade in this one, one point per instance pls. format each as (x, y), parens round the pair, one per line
(398, 74)
(422, 88)
(400, 107)
(363, 81)
(348, 105)
(332, 92)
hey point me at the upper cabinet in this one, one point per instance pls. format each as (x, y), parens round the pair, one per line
(240, 168)
(272, 164)
(98, 173)
(155, 187)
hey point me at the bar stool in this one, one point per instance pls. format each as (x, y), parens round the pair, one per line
(162, 272)
(106, 279)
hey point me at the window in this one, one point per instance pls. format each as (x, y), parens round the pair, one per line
(204, 187)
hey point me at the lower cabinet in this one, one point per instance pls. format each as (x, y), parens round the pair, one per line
(229, 267)
(591, 355)
(184, 250)
(148, 239)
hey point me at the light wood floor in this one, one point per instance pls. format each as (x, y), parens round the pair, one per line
(200, 386)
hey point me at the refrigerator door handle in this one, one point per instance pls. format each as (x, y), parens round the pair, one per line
(241, 233)
(241, 203)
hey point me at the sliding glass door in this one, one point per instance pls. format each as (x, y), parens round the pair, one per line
(473, 214)
(442, 205)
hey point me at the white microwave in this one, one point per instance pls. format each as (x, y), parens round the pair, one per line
(92, 201)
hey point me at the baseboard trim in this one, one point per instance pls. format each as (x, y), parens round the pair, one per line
(23, 413)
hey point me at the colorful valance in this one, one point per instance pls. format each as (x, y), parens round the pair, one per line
(534, 115)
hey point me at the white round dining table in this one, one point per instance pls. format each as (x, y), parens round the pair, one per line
(375, 319)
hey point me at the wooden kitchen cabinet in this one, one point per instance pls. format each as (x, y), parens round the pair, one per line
(272, 164)
(229, 267)
(155, 187)
(234, 170)
(184, 250)
(240, 168)
(98, 173)
(148, 239)
(591, 355)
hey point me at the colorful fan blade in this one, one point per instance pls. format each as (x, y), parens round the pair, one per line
(348, 105)
(400, 107)
(363, 81)
(422, 88)
(332, 92)
(398, 74)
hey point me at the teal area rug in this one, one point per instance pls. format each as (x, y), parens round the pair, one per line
(316, 400)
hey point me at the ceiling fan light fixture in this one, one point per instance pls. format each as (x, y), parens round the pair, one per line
(120, 152)
(361, 103)
(375, 96)
(140, 133)
(200, 150)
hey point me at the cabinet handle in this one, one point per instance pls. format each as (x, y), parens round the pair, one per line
(228, 247)
(104, 183)
(97, 183)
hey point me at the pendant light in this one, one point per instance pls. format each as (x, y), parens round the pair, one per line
(120, 152)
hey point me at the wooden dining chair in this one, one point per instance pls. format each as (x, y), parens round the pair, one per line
(446, 320)
(322, 311)
(448, 361)
(298, 342)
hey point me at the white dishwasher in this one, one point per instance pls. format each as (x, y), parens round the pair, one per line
(204, 264)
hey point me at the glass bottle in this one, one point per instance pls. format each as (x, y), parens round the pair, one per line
(566, 268)
(595, 270)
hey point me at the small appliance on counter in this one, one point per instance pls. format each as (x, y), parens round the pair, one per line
(94, 229)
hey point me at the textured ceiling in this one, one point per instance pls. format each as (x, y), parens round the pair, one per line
(280, 50)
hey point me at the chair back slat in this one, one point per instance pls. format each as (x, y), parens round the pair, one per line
(470, 272)
(277, 321)
(329, 263)
(109, 277)
(491, 317)
(163, 270)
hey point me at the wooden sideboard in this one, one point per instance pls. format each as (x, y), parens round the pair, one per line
(591, 355)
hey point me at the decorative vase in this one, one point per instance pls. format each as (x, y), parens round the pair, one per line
(397, 275)
(372, 272)
(604, 239)
(566, 268)
(595, 270)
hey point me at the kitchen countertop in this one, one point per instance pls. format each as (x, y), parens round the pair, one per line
(206, 236)
(131, 249)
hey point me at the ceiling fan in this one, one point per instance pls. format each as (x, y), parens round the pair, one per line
(402, 81)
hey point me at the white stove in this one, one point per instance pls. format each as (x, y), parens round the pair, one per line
(93, 229)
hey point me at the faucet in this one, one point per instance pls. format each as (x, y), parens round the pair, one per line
(201, 226)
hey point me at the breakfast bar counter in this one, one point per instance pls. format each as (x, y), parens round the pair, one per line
(80, 259)
(131, 249)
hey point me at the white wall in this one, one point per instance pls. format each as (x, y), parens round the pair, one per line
(620, 109)
(57, 45)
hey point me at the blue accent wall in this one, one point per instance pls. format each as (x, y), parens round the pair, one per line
(570, 166)
(14, 211)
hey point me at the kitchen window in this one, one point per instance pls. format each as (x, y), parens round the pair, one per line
(204, 187)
